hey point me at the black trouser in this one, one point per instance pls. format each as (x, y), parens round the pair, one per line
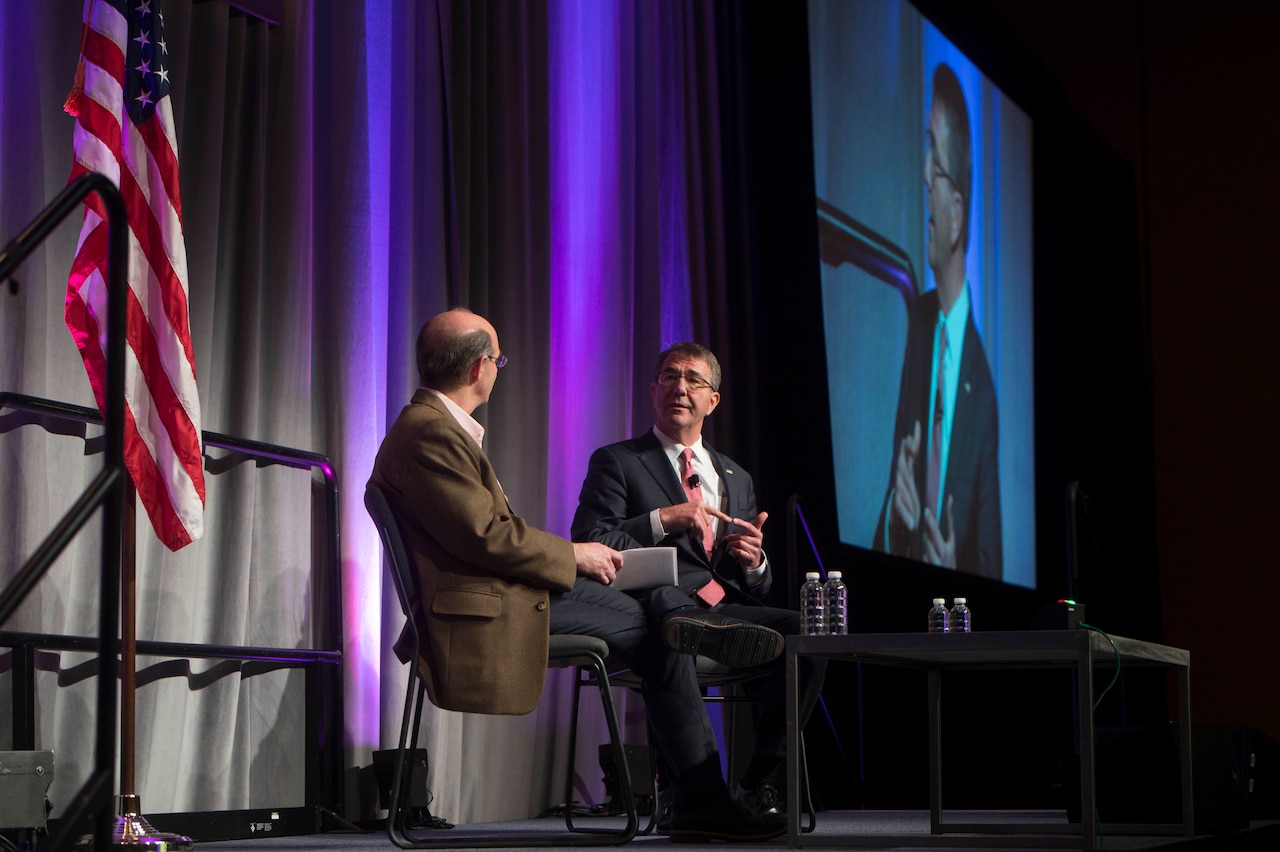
(769, 693)
(669, 683)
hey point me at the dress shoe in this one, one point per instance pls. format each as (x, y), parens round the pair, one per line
(761, 800)
(731, 641)
(662, 803)
(725, 820)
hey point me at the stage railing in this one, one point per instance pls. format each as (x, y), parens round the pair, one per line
(322, 666)
(107, 490)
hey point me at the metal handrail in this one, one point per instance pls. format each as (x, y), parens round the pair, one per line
(51, 414)
(107, 491)
(324, 782)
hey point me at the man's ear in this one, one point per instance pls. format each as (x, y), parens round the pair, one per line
(474, 375)
(715, 400)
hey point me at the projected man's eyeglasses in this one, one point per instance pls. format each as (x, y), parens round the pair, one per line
(499, 360)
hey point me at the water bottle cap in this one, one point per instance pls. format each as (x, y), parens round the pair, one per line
(960, 600)
(812, 575)
(939, 601)
(834, 575)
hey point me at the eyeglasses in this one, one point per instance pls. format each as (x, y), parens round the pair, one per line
(499, 360)
(668, 378)
(931, 161)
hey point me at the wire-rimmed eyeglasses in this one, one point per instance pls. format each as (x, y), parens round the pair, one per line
(693, 380)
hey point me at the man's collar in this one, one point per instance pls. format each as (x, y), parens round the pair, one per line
(957, 317)
(672, 446)
(468, 423)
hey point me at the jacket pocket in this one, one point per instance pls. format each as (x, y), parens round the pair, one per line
(463, 602)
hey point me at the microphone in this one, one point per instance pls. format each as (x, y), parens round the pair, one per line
(695, 481)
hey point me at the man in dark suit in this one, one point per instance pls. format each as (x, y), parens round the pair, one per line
(668, 487)
(490, 587)
(943, 501)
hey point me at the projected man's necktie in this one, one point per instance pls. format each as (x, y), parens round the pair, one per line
(934, 475)
(712, 592)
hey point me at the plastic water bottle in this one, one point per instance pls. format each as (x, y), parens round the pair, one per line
(938, 616)
(837, 596)
(958, 618)
(814, 602)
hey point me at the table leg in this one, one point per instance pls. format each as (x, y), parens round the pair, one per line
(1184, 718)
(1088, 795)
(935, 751)
(793, 750)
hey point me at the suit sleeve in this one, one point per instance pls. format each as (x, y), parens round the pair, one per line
(989, 558)
(603, 505)
(743, 504)
(902, 426)
(443, 481)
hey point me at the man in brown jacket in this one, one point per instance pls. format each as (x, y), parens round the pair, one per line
(491, 588)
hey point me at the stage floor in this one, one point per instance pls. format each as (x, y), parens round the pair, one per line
(865, 824)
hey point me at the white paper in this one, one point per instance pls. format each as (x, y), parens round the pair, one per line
(646, 567)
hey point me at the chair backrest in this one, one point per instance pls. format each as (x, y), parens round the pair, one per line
(375, 500)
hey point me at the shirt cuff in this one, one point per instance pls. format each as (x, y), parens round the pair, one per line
(756, 576)
(655, 526)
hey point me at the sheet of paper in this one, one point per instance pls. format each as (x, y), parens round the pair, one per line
(646, 567)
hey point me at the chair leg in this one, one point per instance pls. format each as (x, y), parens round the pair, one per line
(806, 792)
(400, 836)
(596, 665)
(397, 831)
(573, 747)
(655, 813)
(619, 751)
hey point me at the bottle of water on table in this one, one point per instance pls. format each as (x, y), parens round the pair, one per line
(813, 605)
(938, 616)
(837, 595)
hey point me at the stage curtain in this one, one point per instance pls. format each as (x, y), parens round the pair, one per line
(347, 172)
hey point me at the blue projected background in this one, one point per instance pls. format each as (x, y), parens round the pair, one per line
(871, 66)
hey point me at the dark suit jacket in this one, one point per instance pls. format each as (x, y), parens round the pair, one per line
(484, 575)
(627, 480)
(973, 468)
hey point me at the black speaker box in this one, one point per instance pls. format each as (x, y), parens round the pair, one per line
(1138, 778)
(415, 780)
(639, 766)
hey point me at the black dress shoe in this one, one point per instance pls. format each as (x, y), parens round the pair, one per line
(731, 641)
(761, 800)
(725, 820)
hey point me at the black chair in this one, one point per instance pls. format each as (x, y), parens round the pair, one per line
(711, 675)
(585, 653)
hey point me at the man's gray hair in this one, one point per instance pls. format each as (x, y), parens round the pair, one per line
(692, 350)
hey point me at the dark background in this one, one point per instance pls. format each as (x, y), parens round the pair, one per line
(1155, 192)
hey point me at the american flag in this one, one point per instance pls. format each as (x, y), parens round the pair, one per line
(124, 130)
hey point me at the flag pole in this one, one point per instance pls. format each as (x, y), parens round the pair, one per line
(129, 651)
(132, 831)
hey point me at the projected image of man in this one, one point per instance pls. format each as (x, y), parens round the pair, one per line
(943, 501)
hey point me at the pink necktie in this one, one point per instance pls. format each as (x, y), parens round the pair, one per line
(712, 592)
(935, 437)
